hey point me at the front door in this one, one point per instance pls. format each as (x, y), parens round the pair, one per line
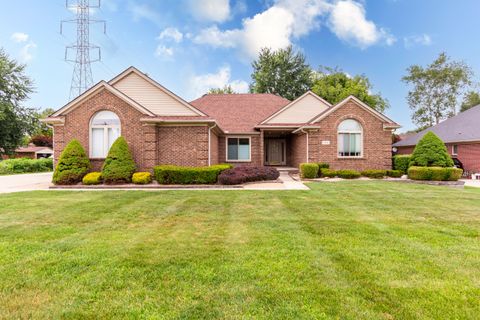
(276, 152)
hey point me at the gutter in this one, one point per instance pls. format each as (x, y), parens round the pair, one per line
(155, 120)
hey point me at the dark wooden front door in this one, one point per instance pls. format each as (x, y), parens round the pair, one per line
(275, 153)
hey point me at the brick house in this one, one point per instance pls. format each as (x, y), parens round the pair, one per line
(242, 129)
(461, 135)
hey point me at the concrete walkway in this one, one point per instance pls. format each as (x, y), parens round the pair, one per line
(25, 182)
(472, 183)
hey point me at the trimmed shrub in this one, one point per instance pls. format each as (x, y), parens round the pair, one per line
(244, 174)
(431, 152)
(323, 165)
(401, 162)
(119, 165)
(374, 174)
(328, 173)
(25, 165)
(348, 174)
(92, 178)
(142, 178)
(434, 173)
(309, 170)
(394, 173)
(73, 164)
(170, 174)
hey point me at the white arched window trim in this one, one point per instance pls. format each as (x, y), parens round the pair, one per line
(104, 130)
(350, 139)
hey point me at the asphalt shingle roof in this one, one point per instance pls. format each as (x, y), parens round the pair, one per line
(239, 112)
(465, 126)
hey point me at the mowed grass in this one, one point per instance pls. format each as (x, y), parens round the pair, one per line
(349, 250)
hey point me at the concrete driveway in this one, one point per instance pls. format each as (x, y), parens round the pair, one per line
(472, 183)
(25, 182)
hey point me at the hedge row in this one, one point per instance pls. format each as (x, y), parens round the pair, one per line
(314, 170)
(25, 165)
(170, 174)
(434, 173)
(401, 162)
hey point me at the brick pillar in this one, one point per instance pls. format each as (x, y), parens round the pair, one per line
(150, 142)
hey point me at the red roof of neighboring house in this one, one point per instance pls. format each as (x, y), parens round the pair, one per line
(32, 149)
(248, 109)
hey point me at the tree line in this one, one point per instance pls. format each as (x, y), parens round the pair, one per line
(435, 93)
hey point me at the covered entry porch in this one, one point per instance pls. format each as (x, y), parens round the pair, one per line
(286, 147)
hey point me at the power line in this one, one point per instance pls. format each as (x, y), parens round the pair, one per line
(82, 78)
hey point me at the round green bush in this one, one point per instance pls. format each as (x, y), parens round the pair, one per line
(431, 152)
(142, 178)
(328, 173)
(394, 173)
(374, 174)
(119, 165)
(92, 178)
(401, 162)
(348, 174)
(73, 164)
(309, 170)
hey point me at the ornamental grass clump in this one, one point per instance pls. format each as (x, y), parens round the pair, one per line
(119, 165)
(73, 164)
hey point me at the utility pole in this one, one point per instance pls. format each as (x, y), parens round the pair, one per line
(82, 78)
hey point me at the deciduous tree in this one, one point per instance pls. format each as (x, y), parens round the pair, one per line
(436, 89)
(283, 72)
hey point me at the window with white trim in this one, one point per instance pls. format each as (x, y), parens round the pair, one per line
(455, 150)
(104, 130)
(238, 149)
(350, 139)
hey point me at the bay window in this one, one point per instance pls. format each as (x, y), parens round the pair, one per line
(104, 130)
(238, 149)
(350, 139)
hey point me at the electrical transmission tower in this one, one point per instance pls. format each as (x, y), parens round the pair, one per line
(82, 72)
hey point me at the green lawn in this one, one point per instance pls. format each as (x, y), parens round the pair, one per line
(349, 250)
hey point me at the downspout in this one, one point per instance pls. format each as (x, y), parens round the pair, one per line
(306, 132)
(209, 147)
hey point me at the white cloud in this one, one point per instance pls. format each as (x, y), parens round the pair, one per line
(19, 37)
(171, 34)
(164, 52)
(422, 40)
(348, 21)
(210, 10)
(200, 84)
(286, 20)
(26, 54)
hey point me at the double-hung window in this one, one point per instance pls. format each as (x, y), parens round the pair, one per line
(350, 139)
(104, 130)
(238, 149)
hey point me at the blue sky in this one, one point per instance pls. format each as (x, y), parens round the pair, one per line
(190, 45)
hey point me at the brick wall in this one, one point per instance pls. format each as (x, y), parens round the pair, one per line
(467, 153)
(183, 145)
(298, 149)
(214, 148)
(256, 151)
(77, 124)
(150, 144)
(377, 142)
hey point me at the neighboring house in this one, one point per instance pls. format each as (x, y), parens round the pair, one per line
(243, 129)
(461, 135)
(32, 152)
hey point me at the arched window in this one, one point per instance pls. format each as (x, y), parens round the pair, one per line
(350, 139)
(104, 130)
